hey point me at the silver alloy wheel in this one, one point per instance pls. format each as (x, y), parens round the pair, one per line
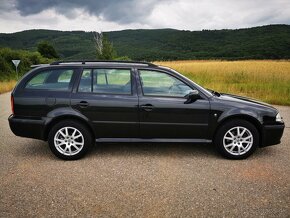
(238, 140)
(69, 141)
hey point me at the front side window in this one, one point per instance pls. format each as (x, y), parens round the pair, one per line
(54, 79)
(156, 83)
(106, 81)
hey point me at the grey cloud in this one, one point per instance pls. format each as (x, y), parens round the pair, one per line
(108, 15)
(119, 11)
(6, 5)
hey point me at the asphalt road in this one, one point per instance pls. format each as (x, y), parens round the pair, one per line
(141, 180)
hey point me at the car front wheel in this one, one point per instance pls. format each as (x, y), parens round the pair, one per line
(237, 139)
(69, 140)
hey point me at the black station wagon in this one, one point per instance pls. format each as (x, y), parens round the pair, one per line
(74, 104)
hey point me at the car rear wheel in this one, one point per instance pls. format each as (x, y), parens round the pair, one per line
(237, 139)
(69, 140)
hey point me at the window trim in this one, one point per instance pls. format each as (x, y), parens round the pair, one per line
(159, 96)
(105, 68)
(70, 86)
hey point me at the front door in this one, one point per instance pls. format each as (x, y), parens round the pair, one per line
(163, 113)
(108, 98)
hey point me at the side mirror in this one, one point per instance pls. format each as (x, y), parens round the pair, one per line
(192, 97)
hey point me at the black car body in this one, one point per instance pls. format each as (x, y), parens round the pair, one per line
(135, 102)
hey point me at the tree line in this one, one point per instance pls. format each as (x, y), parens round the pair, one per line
(266, 42)
(46, 53)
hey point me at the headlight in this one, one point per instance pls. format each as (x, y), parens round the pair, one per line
(279, 118)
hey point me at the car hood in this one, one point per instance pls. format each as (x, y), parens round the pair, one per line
(245, 100)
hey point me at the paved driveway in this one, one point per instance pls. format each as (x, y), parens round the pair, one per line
(141, 180)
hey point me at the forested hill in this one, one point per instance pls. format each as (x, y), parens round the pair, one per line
(266, 42)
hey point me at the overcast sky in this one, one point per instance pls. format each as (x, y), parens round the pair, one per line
(109, 15)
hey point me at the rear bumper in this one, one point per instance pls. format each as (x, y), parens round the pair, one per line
(24, 127)
(272, 134)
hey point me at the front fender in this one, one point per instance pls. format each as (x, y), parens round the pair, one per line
(240, 112)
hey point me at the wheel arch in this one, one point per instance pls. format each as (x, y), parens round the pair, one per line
(58, 119)
(246, 117)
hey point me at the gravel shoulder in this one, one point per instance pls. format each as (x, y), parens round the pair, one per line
(141, 180)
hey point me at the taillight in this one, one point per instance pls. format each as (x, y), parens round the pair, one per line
(12, 104)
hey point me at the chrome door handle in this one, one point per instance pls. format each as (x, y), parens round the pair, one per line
(83, 104)
(147, 107)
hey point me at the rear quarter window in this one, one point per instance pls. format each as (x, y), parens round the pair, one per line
(53, 79)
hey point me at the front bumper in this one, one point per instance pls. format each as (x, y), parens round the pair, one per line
(27, 127)
(272, 134)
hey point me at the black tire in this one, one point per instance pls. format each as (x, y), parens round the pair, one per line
(232, 125)
(85, 139)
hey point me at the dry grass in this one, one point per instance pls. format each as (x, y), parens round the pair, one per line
(265, 80)
(7, 86)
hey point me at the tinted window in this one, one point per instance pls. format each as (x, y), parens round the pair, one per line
(156, 83)
(107, 81)
(86, 81)
(54, 79)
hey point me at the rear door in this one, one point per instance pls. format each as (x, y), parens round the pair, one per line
(108, 98)
(163, 112)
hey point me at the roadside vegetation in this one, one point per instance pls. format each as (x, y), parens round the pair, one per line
(266, 80)
(45, 53)
(7, 69)
(7, 86)
(47, 50)
(8, 76)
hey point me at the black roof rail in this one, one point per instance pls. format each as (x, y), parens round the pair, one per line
(37, 65)
(103, 61)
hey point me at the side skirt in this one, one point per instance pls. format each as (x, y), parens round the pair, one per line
(153, 140)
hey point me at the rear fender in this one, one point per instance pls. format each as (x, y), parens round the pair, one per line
(63, 113)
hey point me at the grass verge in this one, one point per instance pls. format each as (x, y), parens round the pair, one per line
(7, 86)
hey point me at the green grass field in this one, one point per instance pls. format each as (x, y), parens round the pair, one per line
(265, 80)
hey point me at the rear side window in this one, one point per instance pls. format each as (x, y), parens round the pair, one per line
(106, 81)
(54, 79)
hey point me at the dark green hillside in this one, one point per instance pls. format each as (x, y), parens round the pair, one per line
(70, 45)
(267, 42)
